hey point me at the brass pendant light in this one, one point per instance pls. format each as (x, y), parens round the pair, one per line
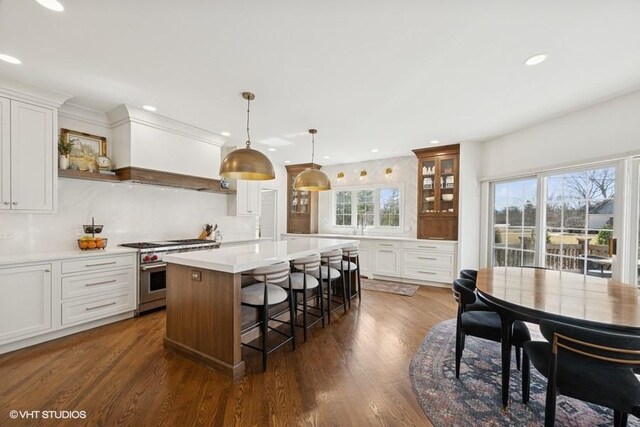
(247, 163)
(312, 179)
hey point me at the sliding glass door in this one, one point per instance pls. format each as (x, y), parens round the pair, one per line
(578, 221)
(561, 220)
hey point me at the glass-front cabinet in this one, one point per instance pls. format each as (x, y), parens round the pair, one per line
(438, 192)
(302, 206)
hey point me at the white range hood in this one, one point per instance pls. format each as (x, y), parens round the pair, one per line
(148, 141)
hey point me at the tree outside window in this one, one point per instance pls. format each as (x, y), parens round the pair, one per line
(366, 207)
(343, 208)
(389, 207)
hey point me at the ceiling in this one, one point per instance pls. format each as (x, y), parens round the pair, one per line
(387, 75)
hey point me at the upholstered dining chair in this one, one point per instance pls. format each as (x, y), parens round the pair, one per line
(328, 274)
(486, 325)
(266, 294)
(591, 365)
(477, 305)
(469, 274)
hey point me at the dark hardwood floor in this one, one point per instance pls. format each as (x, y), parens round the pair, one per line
(354, 372)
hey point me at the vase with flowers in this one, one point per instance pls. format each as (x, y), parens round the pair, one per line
(64, 149)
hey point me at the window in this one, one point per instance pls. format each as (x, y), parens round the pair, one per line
(574, 213)
(366, 207)
(343, 208)
(375, 207)
(514, 223)
(579, 221)
(389, 207)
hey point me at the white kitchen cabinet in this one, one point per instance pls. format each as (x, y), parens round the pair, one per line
(366, 257)
(387, 258)
(430, 261)
(247, 198)
(25, 306)
(27, 156)
(49, 299)
(5, 153)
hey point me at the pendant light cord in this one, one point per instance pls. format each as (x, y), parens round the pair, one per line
(248, 111)
(313, 146)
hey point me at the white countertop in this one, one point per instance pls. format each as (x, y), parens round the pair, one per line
(55, 255)
(363, 237)
(237, 259)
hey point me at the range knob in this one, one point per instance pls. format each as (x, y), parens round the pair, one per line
(147, 258)
(154, 257)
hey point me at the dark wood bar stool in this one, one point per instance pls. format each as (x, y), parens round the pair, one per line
(305, 284)
(266, 294)
(350, 264)
(328, 274)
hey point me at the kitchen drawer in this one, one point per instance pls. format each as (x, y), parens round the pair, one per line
(429, 259)
(90, 264)
(96, 283)
(430, 245)
(88, 309)
(387, 244)
(428, 274)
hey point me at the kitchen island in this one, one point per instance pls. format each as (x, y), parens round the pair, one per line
(204, 315)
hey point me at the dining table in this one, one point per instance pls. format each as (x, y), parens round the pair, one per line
(532, 294)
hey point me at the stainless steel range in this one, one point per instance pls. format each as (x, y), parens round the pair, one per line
(152, 281)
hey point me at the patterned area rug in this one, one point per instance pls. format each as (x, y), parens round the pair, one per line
(475, 398)
(389, 287)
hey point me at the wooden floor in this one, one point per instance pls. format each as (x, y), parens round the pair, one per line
(354, 372)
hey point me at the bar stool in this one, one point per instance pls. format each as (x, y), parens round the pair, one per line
(350, 264)
(302, 282)
(266, 294)
(329, 274)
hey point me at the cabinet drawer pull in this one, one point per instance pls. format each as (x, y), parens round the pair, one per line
(427, 272)
(46, 270)
(100, 306)
(6, 203)
(428, 247)
(100, 283)
(386, 251)
(14, 203)
(385, 244)
(99, 264)
(430, 259)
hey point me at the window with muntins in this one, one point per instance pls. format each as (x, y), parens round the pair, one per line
(373, 207)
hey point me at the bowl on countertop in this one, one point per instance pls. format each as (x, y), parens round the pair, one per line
(91, 243)
(447, 197)
(429, 199)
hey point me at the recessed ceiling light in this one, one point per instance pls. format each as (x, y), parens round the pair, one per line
(10, 59)
(375, 150)
(54, 5)
(286, 162)
(149, 108)
(225, 133)
(536, 59)
(435, 141)
(271, 149)
(327, 157)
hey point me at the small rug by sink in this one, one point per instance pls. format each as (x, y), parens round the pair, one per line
(475, 399)
(389, 287)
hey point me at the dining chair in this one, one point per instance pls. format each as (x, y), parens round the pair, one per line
(266, 294)
(469, 274)
(305, 284)
(487, 325)
(591, 365)
(478, 304)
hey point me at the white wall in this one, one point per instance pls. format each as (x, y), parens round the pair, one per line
(469, 205)
(605, 130)
(405, 171)
(280, 185)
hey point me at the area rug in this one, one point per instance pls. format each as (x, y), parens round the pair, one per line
(389, 287)
(475, 399)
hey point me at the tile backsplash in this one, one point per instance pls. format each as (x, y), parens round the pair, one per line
(129, 213)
